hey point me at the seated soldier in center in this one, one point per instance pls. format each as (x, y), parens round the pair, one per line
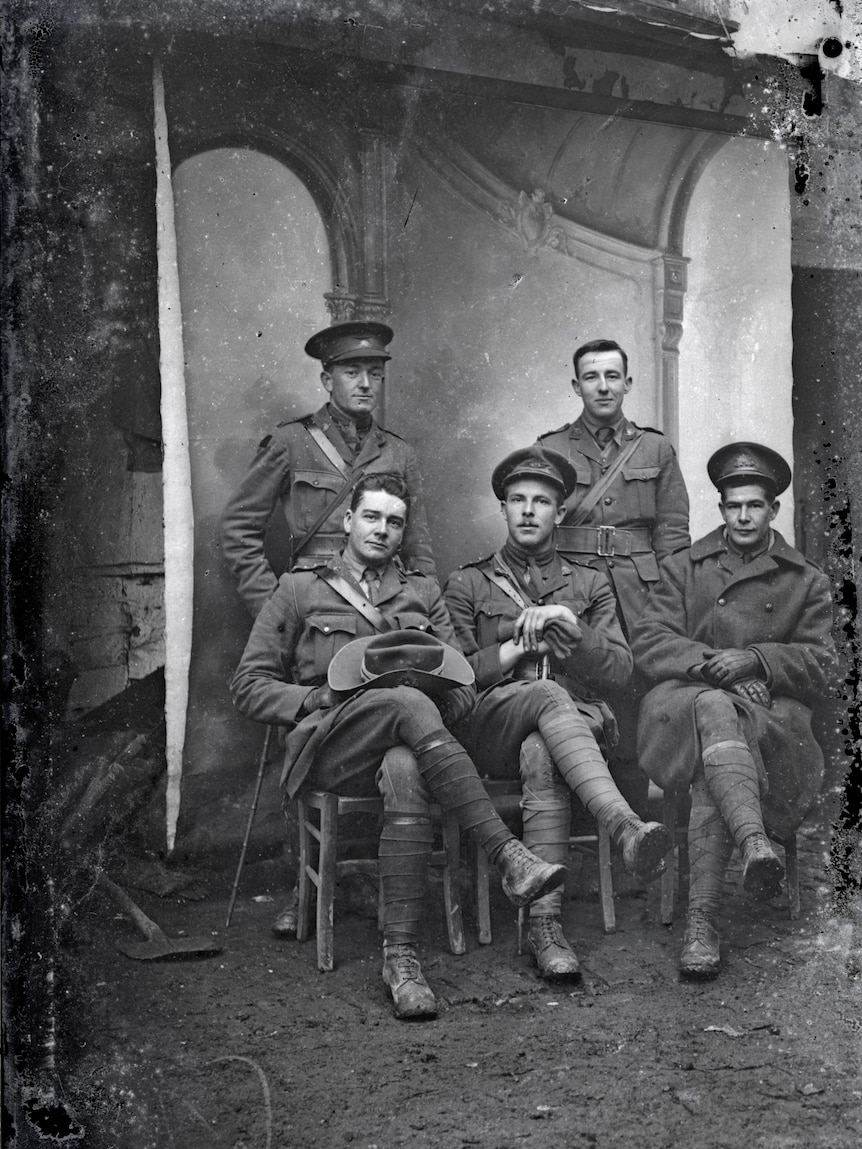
(542, 636)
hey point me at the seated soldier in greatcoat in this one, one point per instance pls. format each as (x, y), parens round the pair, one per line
(343, 714)
(736, 643)
(544, 641)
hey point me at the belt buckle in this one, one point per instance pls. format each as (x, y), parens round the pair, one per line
(605, 543)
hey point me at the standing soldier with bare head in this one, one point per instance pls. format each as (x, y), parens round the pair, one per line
(629, 510)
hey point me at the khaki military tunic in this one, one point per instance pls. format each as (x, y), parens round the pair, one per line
(640, 519)
(291, 469)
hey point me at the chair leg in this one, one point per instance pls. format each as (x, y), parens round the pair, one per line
(791, 866)
(483, 903)
(668, 878)
(451, 885)
(303, 924)
(326, 879)
(606, 881)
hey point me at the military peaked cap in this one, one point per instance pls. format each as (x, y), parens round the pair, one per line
(534, 462)
(748, 461)
(357, 339)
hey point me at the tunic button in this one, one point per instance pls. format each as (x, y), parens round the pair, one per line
(316, 482)
(610, 562)
(608, 501)
(326, 630)
(768, 608)
(721, 601)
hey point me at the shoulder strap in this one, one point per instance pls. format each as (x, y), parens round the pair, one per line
(351, 478)
(595, 493)
(297, 549)
(508, 585)
(368, 611)
(328, 449)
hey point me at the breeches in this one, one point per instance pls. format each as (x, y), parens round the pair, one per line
(349, 755)
(503, 717)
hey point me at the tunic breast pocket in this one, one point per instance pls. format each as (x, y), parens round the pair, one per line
(494, 623)
(639, 492)
(328, 634)
(310, 492)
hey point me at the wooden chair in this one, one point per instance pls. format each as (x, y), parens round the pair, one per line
(506, 797)
(670, 878)
(319, 867)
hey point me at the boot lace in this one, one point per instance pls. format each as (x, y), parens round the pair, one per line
(547, 931)
(404, 962)
(699, 927)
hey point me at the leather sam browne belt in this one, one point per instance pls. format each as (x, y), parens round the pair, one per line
(604, 541)
(324, 545)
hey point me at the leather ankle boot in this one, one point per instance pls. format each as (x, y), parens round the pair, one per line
(410, 991)
(700, 958)
(547, 943)
(762, 873)
(286, 923)
(645, 846)
(526, 877)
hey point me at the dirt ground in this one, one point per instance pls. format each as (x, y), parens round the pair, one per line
(253, 1048)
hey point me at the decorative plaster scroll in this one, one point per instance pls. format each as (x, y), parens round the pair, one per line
(340, 306)
(529, 216)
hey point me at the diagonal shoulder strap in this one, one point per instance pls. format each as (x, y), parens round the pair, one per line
(508, 585)
(351, 478)
(328, 449)
(595, 493)
(350, 594)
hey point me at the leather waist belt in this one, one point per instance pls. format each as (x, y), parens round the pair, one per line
(323, 546)
(605, 541)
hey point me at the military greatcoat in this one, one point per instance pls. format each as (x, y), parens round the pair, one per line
(290, 468)
(483, 616)
(646, 504)
(299, 631)
(778, 605)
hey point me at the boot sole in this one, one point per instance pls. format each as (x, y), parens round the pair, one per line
(699, 973)
(653, 849)
(571, 975)
(763, 878)
(527, 897)
(416, 1012)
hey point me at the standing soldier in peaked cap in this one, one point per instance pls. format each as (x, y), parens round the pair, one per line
(628, 511)
(309, 465)
(736, 643)
(545, 644)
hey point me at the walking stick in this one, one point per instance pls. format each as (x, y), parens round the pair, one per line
(264, 754)
(544, 671)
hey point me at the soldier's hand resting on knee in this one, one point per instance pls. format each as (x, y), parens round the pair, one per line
(754, 690)
(727, 666)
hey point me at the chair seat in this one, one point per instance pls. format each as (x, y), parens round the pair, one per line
(320, 872)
